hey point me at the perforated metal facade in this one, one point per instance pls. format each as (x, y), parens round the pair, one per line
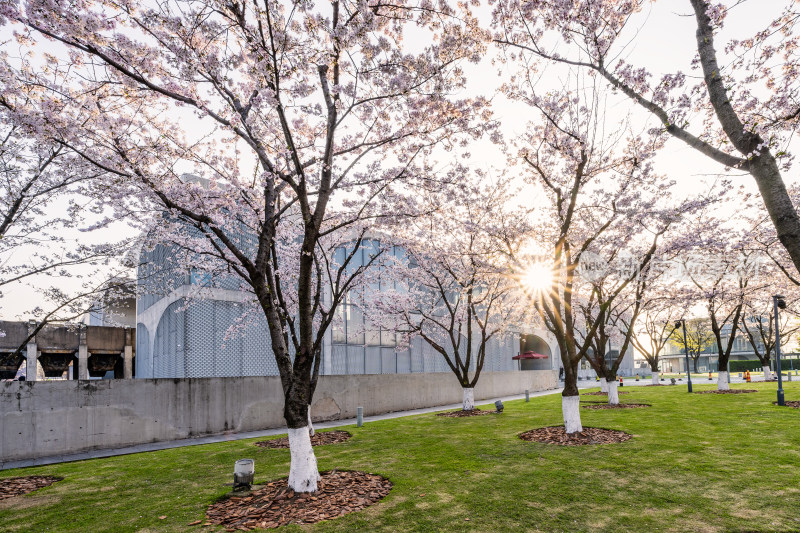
(176, 340)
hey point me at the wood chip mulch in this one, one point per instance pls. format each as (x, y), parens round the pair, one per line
(792, 403)
(319, 439)
(16, 486)
(339, 493)
(462, 413)
(730, 391)
(617, 406)
(557, 435)
(601, 393)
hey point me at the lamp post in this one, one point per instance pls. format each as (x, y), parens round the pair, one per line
(778, 303)
(682, 324)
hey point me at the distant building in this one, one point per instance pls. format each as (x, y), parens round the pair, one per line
(673, 358)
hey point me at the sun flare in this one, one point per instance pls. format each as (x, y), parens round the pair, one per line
(538, 277)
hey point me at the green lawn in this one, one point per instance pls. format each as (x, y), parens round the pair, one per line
(697, 463)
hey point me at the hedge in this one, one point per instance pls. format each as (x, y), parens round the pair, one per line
(741, 366)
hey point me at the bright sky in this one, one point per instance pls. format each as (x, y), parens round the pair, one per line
(665, 42)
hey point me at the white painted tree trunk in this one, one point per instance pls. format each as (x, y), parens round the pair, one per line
(613, 394)
(468, 403)
(570, 407)
(767, 372)
(655, 377)
(722, 381)
(303, 473)
(603, 385)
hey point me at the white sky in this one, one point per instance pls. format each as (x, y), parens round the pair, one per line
(665, 43)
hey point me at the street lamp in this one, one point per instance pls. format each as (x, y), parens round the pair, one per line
(779, 303)
(682, 324)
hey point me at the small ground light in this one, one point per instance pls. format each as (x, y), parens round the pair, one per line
(499, 406)
(243, 473)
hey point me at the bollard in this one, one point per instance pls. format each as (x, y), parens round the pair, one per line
(621, 384)
(527, 395)
(359, 416)
(637, 377)
(709, 376)
(790, 376)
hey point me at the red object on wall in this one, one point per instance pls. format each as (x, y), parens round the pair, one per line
(529, 355)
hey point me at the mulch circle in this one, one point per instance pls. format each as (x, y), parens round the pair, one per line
(338, 493)
(557, 435)
(319, 439)
(616, 406)
(16, 486)
(462, 413)
(792, 403)
(730, 391)
(601, 393)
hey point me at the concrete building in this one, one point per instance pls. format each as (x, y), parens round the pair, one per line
(115, 311)
(65, 351)
(673, 358)
(179, 336)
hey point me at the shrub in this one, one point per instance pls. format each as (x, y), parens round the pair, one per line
(741, 366)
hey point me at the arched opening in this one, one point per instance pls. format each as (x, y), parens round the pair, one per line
(534, 353)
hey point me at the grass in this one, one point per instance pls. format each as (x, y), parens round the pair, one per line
(697, 463)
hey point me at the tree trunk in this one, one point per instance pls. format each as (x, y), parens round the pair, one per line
(303, 473)
(570, 407)
(767, 372)
(613, 394)
(695, 365)
(468, 403)
(603, 385)
(763, 167)
(654, 377)
(722, 381)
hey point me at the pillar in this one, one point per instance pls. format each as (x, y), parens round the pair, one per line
(128, 362)
(83, 356)
(32, 355)
(127, 355)
(32, 360)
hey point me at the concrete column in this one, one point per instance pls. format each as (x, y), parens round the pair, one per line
(128, 362)
(83, 356)
(31, 364)
(32, 355)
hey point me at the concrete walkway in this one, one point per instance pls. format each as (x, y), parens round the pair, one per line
(210, 439)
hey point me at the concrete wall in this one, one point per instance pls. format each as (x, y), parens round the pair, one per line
(41, 419)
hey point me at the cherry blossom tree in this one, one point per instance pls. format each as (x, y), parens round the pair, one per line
(601, 189)
(616, 301)
(721, 273)
(744, 113)
(46, 194)
(758, 319)
(279, 106)
(699, 337)
(654, 330)
(457, 293)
